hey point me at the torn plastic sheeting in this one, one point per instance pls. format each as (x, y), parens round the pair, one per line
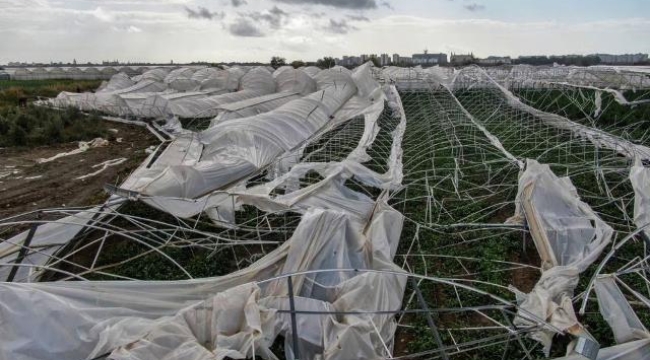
(291, 80)
(118, 81)
(618, 313)
(493, 139)
(83, 147)
(395, 166)
(598, 137)
(568, 236)
(48, 239)
(616, 94)
(164, 105)
(102, 166)
(256, 327)
(310, 70)
(205, 73)
(252, 107)
(226, 79)
(330, 193)
(114, 102)
(640, 179)
(636, 350)
(157, 74)
(228, 200)
(187, 208)
(87, 319)
(239, 324)
(248, 144)
(255, 83)
(161, 105)
(221, 206)
(181, 79)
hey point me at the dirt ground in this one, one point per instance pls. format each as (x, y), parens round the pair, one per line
(26, 185)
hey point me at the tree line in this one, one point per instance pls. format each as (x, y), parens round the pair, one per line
(324, 63)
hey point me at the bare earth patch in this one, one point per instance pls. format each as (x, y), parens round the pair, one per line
(26, 185)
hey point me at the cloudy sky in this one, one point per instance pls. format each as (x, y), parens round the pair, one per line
(255, 30)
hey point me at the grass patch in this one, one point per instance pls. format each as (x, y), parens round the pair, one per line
(11, 91)
(36, 126)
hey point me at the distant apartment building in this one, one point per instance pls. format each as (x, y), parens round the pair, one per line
(395, 59)
(405, 60)
(384, 60)
(349, 61)
(495, 60)
(429, 59)
(622, 59)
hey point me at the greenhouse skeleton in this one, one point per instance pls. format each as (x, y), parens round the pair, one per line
(363, 182)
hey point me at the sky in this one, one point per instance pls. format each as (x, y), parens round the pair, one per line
(256, 30)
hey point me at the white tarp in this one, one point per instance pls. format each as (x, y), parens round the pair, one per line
(640, 179)
(238, 148)
(568, 236)
(636, 350)
(618, 313)
(225, 316)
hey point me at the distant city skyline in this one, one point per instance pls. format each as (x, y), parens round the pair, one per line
(425, 58)
(228, 30)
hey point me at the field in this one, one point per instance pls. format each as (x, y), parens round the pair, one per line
(468, 253)
(30, 133)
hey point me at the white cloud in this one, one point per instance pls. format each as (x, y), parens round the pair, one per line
(162, 31)
(102, 15)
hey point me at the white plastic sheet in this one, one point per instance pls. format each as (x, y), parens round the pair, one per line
(618, 313)
(238, 148)
(568, 236)
(184, 319)
(640, 179)
(636, 350)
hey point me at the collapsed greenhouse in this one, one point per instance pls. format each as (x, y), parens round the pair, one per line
(395, 213)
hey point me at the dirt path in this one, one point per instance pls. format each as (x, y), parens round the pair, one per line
(26, 185)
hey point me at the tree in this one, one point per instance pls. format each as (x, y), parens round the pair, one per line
(277, 62)
(375, 60)
(298, 64)
(326, 62)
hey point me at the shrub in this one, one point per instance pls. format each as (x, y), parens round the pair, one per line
(35, 126)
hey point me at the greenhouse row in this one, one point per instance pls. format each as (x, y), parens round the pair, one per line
(373, 213)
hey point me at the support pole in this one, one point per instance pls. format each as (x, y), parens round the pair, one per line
(294, 324)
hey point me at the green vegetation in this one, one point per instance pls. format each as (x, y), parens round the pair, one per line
(627, 121)
(12, 91)
(326, 62)
(298, 64)
(36, 126)
(277, 62)
(452, 175)
(29, 125)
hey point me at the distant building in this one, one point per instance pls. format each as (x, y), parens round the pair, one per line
(495, 60)
(384, 60)
(405, 60)
(622, 59)
(462, 59)
(349, 61)
(429, 59)
(364, 58)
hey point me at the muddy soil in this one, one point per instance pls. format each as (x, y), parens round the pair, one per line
(26, 185)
